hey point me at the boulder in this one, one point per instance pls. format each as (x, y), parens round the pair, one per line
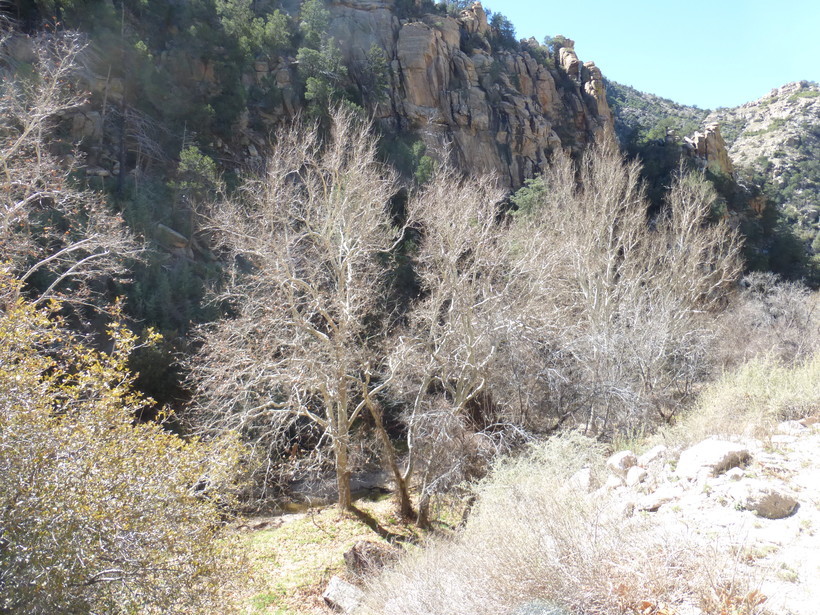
(620, 462)
(659, 497)
(652, 455)
(711, 457)
(635, 476)
(342, 596)
(791, 428)
(366, 557)
(169, 238)
(87, 125)
(765, 499)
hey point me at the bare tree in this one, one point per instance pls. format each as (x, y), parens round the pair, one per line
(579, 308)
(471, 277)
(769, 316)
(51, 231)
(307, 242)
(634, 296)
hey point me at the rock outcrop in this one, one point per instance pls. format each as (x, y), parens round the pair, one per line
(493, 110)
(772, 127)
(342, 596)
(488, 105)
(709, 148)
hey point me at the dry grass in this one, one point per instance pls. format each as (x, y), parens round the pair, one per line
(535, 543)
(751, 401)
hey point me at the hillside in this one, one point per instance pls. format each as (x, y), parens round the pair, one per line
(778, 137)
(641, 115)
(773, 184)
(720, 518)
(261, 256)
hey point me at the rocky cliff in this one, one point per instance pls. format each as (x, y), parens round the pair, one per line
(709, 148)
(489, 105)
(499, 110)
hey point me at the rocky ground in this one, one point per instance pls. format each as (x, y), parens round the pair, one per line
(760, 501)
(757, 502)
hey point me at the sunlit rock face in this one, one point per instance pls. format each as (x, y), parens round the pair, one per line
(453, 85)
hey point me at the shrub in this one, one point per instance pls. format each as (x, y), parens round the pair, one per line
(769, 317)
(504, 31)
(537, 543)
(98, 515)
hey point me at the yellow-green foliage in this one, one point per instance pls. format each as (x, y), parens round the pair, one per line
(97, 514)
(752, 400)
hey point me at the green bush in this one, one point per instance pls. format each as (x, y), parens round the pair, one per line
(503, 32)
(313, 24)
(252, 34)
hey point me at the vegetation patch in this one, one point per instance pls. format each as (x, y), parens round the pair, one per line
(805, 94)
(292, 562)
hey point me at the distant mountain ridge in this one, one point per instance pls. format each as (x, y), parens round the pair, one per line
(773, 142)
(777, 137)
(771, 123)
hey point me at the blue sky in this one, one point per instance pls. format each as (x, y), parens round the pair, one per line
(709, 53)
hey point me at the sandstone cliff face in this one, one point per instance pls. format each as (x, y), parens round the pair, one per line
(495, 110)
(486, 106)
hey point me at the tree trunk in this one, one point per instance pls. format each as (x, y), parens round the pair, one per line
(402, 494)
(345, 500)
(423, 518)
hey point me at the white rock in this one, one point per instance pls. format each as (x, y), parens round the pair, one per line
(735, 474)
(712, 456)
(791, 427)
(620, 462)
(613, 482)
(635, 475)
(659, 497)
(653, 454)
(342, 596)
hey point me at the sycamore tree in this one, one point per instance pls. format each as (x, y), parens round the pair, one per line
(631, 296)
(580, 307)
(299, 352)
(99, 514)
(58, 237)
